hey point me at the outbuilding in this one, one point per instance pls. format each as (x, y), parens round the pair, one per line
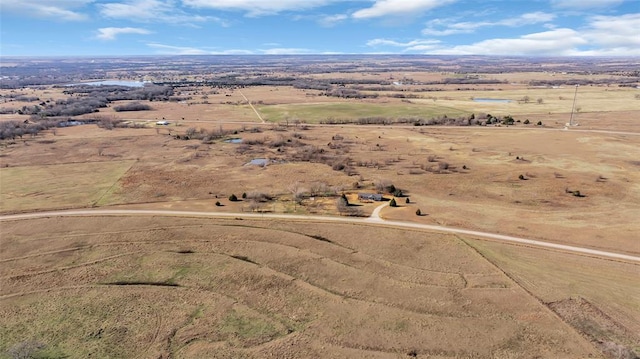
(370, 197)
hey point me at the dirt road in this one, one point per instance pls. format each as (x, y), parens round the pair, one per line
(373, 220)
(251, 105)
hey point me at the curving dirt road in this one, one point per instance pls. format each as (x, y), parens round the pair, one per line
(373, 220)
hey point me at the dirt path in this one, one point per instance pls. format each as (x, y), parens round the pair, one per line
(374, 220)
(254, 109)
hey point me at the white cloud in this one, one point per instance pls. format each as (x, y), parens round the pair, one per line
(385, 42)
(56, 9)
(177, 50)
(153, 11)
(258, 7)
(450, 27)
(382, 8)
(601, 36)
(615, 34)
(558, 42)
(110, 33)
(585, 4)
(286, 51)
(414, 46)
(331, 20)
(183, 50)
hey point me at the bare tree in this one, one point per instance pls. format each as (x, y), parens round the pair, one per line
(297, 192)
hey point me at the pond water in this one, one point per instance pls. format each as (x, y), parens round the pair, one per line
(491, 100)
(112, 83)
(259, 162)
(234, 140)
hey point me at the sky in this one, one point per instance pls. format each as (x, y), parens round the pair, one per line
(433, 27)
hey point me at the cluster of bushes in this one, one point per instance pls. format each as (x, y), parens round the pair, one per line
(206, 136)
(120, 93)
(344, 92)
(133, 106)
(346, 209)
(90, 99)
(71, 107)
(13, 129)
(13, 96)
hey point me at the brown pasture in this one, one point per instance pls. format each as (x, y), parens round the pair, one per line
(184, 287)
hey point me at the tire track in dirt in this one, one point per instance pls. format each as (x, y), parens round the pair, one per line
(85, 264)
(44, 254)
(252, 107)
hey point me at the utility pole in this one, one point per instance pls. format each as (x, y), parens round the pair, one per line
(573, 106)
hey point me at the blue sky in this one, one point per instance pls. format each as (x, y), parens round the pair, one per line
(191, 27)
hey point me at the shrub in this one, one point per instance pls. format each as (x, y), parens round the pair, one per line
(521, 177)
(233, 198)
(578, 194)
(526, 122)
(418, 212)
(218, 203)
(260, 197)
(244, 195)
(393, 203)
(408, 200)
(539, 123)
(134, 106)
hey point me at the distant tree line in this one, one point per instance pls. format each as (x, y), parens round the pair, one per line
(444, 120)
(585, 82)
(88, 99)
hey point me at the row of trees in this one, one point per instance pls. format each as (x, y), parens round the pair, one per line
(17, 129)
(444, 120)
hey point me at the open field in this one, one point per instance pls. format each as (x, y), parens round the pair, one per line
(159, 286)
(55, 186)
(191, 288)
(314, 113)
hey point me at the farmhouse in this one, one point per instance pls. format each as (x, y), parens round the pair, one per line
(370, 197)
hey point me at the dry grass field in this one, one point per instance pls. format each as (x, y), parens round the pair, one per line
(160, 286)
(180, 287)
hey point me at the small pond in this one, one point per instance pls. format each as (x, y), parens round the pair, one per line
(491, 100)
(234, 140)
(259, 162)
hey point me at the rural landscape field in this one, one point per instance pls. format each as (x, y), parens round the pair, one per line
(320, 207)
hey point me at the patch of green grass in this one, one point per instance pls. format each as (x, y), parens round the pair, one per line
(180, 273)
(317, 112)
(249, 329)
(59, 186)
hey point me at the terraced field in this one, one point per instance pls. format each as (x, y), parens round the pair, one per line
(185, 287)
